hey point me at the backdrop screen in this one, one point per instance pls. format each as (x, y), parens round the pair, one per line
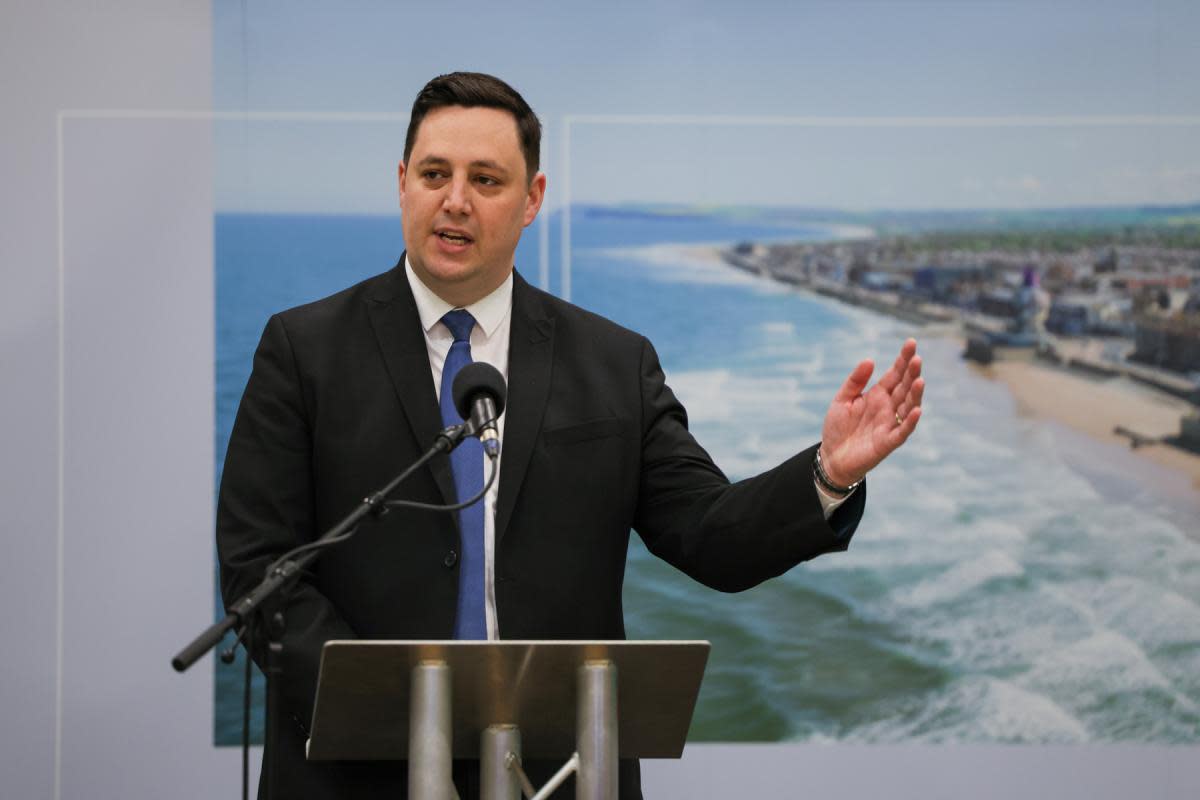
(1028, 567)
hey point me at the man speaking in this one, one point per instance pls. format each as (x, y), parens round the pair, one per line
(347, 391)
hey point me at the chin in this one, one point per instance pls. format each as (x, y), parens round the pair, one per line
(450, 272)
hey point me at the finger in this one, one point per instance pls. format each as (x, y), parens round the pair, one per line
(899, 435)
(856, 381)
(912, 400)
(894, 375)
(911, 373)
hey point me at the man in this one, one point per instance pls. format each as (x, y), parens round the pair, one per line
(345, 392)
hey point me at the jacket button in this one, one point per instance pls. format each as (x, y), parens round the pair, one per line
(451, 559)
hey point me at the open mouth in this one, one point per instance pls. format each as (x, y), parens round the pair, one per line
(454, 238)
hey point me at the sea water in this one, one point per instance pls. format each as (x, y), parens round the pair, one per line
(1007, 583)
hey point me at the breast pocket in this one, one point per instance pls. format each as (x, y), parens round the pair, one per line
(587, 431)
(586, 478)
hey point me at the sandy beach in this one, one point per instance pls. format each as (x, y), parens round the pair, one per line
(1096, 407)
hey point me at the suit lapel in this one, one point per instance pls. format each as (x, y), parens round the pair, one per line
(530, 356)
(393, 314)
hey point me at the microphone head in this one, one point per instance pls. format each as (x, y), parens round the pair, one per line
(476, 378)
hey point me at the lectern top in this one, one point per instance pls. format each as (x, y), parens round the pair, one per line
(362, 699)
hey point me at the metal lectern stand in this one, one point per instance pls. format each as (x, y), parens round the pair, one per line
(500, 702)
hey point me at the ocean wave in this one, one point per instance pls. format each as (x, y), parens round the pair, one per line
(1103, 663)
(721, 395)
(812, 367)
(1109, 680)
(977, 710)
(970, 444)
(778, 328)
(996, 635)
(960, 579)
(930, 502)
(864, 332)
(1153, 616)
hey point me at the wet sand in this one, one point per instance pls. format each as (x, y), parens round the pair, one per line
(1096, 407)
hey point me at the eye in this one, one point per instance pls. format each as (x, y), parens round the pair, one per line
(487, 180)
(433, 175)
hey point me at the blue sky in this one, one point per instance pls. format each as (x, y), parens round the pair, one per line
(961, 59)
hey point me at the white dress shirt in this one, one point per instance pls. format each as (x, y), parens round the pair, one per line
(489, 343)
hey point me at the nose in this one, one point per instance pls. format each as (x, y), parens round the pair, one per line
(457, 199)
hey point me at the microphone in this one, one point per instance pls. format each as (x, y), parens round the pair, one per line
(479, 394)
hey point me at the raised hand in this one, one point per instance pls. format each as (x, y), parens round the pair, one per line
(862, 429)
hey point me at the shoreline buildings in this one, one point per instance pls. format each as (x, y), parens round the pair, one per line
(1069, 298)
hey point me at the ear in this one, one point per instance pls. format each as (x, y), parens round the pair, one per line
(534, 198)
(400, 172)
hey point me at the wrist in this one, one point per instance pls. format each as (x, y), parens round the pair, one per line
(831, 480)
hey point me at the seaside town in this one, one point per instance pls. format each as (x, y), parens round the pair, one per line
(1121, 304)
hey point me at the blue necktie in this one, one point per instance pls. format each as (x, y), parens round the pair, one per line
(466, 461)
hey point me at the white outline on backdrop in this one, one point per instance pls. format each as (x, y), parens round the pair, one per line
(1132, 120)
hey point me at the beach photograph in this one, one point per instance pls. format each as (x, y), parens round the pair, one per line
(1027, 570)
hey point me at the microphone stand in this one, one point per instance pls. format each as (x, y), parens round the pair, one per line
(245, 613)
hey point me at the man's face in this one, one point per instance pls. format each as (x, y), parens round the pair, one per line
(464, 198)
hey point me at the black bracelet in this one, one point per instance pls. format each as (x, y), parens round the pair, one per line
(823, 478)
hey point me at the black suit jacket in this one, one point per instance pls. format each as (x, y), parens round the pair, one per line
(341, 399)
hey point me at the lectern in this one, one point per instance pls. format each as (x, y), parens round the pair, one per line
(429, 702)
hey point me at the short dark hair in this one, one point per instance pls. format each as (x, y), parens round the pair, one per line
(475, 90)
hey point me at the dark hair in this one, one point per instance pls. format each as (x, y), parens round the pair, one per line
(474, 90)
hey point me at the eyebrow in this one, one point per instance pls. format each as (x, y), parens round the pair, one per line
(482, 163)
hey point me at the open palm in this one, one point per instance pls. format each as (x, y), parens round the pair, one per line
(863, 428)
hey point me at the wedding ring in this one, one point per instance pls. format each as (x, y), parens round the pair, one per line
(898, 420)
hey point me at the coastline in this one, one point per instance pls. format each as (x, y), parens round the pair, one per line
(1090, 405)
(1096, 408)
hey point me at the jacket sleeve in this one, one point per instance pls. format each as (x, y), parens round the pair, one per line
(727, 536)
(265, 509)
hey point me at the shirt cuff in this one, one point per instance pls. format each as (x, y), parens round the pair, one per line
(830, 502)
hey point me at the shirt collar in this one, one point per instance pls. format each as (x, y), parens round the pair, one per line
(488, 312)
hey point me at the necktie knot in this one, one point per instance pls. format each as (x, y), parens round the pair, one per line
(460, 322)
